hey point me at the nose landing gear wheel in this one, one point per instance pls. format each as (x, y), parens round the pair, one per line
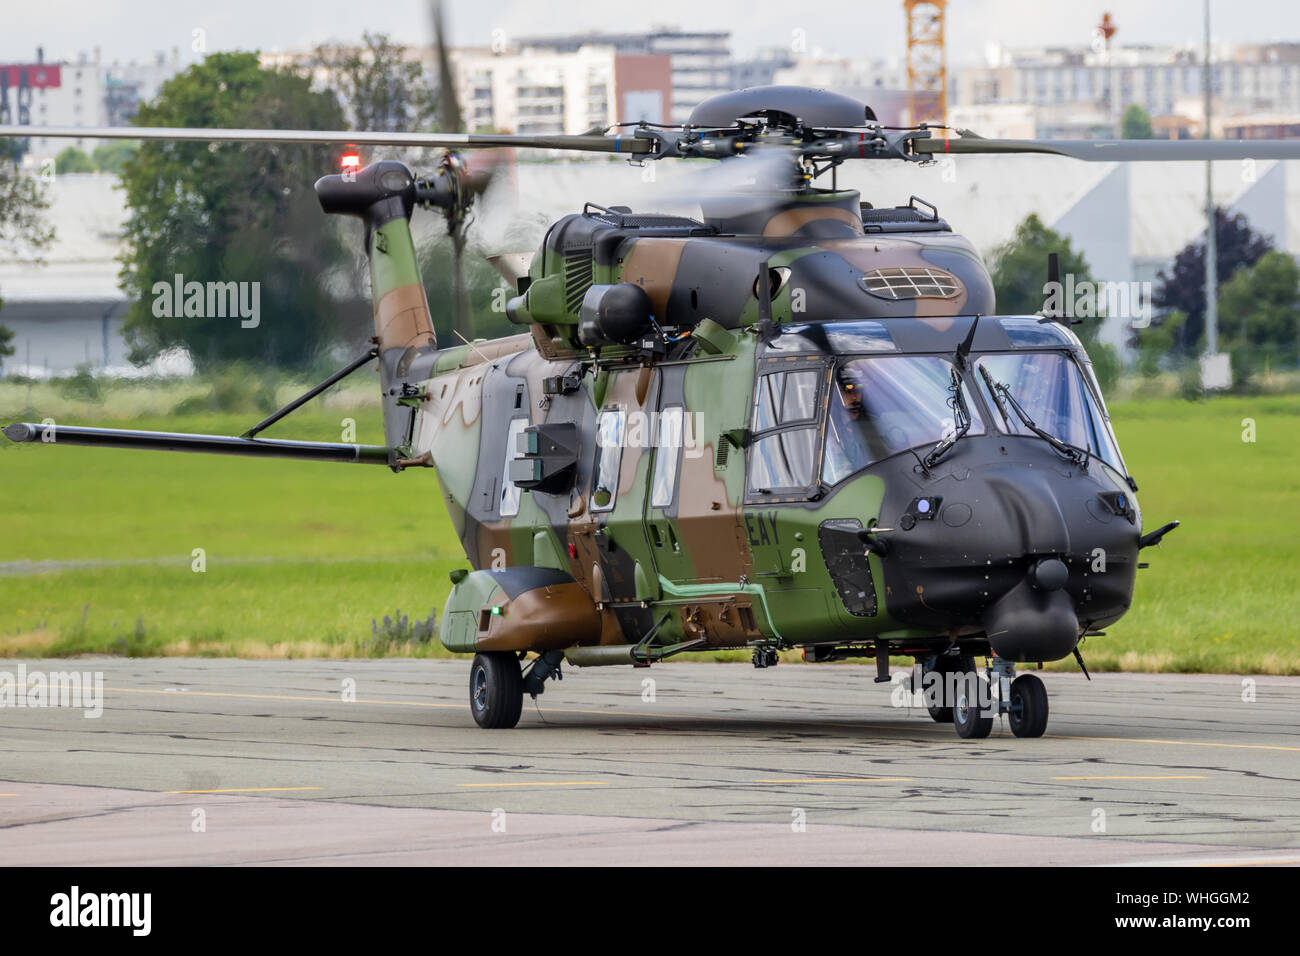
(1028, 711)
(496, 690)
(968, 717)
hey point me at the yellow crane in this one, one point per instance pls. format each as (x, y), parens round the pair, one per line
(927, 66)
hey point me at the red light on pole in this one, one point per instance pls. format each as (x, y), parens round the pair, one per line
(1107, 29)
(351, 161)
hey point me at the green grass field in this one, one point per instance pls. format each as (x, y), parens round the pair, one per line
(302, 558)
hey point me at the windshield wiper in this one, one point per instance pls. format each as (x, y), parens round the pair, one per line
(962, 424)
(1003, 397)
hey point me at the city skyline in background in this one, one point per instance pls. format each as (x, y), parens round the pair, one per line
(140, 30)
(1053, 79)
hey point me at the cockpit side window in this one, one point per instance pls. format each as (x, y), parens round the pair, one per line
(784, 461)
(786, 428)
(785, 397)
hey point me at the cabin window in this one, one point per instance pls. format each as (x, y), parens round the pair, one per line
(609, 455)
(668, 451)
(510, 492)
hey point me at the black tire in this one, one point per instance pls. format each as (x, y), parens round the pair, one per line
(496, 690)
(969, 720)
(1028, 713)
(941, 714)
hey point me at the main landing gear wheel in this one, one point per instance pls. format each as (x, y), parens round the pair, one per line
(1028, 711)
(496, 690)
(968, 717)
(940, 713)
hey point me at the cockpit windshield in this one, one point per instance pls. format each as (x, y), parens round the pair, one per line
(887, 404)
(1050, 388)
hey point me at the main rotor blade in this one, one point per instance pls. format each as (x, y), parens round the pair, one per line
(1120, 150)
(582, 143)
(449, 116)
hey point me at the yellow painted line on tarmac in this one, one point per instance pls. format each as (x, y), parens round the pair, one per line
(328, 700)
(244, 790)
(542, 783)
(1169, 777)
(623, 713)
(838, 780)
(1175, 743)
(409, 703)
(1264, 861)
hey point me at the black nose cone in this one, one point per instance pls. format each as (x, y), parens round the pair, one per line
(1029, 623)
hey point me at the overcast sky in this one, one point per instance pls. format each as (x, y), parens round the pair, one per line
(135, 29)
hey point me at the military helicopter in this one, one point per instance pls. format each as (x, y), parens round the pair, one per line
(796, 421)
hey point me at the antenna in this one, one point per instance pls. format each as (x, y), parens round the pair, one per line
(763, 292)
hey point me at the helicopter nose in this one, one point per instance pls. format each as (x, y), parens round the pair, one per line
(1022, 546)
(1036, 619)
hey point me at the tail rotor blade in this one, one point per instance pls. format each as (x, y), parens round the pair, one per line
(463, 323)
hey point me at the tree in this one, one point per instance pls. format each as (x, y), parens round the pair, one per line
(231, 213)
(379, 87)
(12, 150)
(24, 233)
(1157, 342)
(1019, 274)
(1020, 266)
(1136, 123)
(1183, 288)
(482, 286)
(1259, 304)
(112, 156)
(73, 160)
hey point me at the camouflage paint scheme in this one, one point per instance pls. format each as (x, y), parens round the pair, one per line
(811, 519)
(811, 344)
(718, 566)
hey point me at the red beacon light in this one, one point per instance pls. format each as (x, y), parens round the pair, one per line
(351, 161)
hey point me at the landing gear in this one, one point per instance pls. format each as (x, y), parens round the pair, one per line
(1027, 710)
(765, 657)
(937, 699)
(496, 690)
(970, 717)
